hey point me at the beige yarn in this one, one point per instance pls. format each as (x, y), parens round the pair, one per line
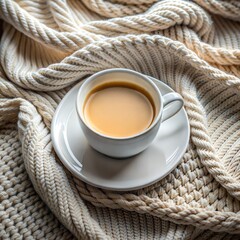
(48, 46)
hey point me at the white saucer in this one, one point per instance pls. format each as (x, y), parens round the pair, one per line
(160, 158)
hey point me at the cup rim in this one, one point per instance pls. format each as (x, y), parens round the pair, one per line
(100, 73)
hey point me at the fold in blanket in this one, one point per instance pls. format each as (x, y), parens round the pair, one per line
(49, 46)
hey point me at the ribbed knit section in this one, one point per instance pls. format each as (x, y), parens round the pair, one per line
(48, 46)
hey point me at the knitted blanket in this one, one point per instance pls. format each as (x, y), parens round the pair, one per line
(47, 46)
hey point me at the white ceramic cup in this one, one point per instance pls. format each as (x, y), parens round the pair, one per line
(122, 147)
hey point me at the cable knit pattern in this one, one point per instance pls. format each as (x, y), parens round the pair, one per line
(48, 46)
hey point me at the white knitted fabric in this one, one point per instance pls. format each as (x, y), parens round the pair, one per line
(47, 46)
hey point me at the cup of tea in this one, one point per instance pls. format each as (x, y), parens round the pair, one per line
(120, 111)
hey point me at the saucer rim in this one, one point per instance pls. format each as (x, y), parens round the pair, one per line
(119, 189)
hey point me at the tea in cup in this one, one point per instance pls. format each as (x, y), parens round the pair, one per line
(121, 110)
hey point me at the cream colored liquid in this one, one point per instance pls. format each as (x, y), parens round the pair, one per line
(118, 111)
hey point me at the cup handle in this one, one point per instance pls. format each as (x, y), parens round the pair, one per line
(170, 110)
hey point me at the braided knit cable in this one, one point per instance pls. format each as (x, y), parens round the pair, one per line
(195, 52)
(217, 221)
(24, 22)
(62, 15)
(59, 75)
(228, 9)
(166, 14)
(108, 9)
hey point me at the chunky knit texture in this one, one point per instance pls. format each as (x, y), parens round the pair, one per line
(47, 46)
